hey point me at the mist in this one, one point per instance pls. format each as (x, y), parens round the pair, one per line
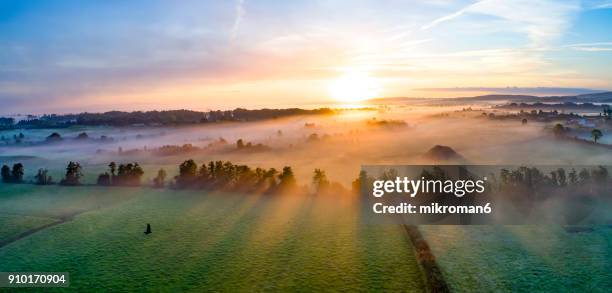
(339, 144)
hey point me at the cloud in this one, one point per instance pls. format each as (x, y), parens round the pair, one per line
(591, 47)
(601, 5)
(542, 21)
(240, 12)
(445, 18)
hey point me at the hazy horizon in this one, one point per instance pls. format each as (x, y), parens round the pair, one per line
(453, 93)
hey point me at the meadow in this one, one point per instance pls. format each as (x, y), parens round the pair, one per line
(522, 258)
(203, 241)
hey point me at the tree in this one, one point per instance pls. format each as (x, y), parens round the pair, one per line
(319, 180)
(240, 143)
(54, 137)
(561, 177)
(269, 179)
(287, 178)
(585, 176)
(313, 137)
(596, 134)
(17, 173)
(82, 135)
(160, 180)
(187, 174)
(113, 168)
(128, 175)
(104, 179)
(362, 182)
(573, 177)
(600, 175)
(6, 174)
(42, 177)
(73, 174)
(559, 130)
(607, 112)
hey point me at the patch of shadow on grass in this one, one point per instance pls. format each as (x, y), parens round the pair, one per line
(206, 269)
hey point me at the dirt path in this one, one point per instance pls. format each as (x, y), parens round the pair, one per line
(60, 220)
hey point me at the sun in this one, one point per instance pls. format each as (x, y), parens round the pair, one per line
(354, 87)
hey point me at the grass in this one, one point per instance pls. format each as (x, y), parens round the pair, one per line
(55, 201)
(212, 242)
(522, 258)
(235, 242)
(13, 225)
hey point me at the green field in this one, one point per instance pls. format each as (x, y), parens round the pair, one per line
(236, 242)
(523, 258)
(13, 225)
(200, 241)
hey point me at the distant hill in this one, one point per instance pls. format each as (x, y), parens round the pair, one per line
(603, 97)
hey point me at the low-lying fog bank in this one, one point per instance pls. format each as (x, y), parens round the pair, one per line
(338, 144)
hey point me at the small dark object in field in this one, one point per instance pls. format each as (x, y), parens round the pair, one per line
(578, 229)
(148, 229)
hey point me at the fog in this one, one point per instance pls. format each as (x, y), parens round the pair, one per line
(342, 144)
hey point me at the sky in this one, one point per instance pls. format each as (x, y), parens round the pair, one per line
(73, 56)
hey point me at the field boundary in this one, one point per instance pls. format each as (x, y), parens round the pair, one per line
(434, 279)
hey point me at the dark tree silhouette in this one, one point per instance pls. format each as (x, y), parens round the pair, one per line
(42, 177)
(128, 175)
(54, 137)
(73, 174)
(104, 179)
(559, 130)
(113, 168)
(6, 174)
(362, 182)
(17, 173)
(596, 134)
(313, 137)
(572, 176)
(160, 180)
(287, 179)
(187, 174)
(607, 112)
(268, 179)
(319, 180)
(585, 176)
(82, 135)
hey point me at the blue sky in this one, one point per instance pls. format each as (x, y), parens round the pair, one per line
(72, 56)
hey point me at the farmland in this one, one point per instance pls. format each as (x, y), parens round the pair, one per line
(219, 241)
(522, 258)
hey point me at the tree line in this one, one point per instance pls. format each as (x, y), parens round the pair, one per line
(153, 118)
(212, 175)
